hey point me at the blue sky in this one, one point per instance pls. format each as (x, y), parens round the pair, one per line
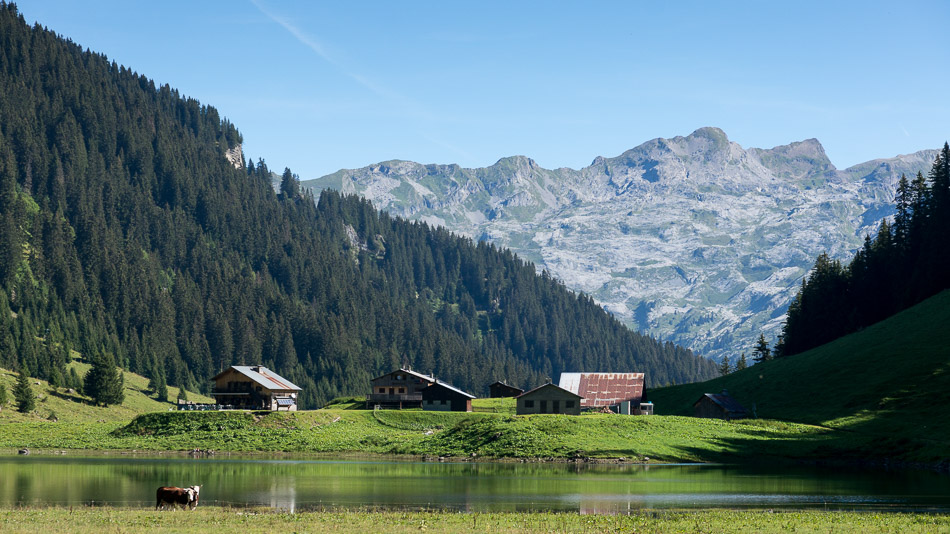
(320, 86)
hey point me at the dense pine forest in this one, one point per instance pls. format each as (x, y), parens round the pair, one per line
(125, 231)
(906, 262)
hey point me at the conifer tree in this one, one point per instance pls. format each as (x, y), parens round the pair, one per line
(23, 393)
(75, 381)
(103, 382)
(761, 350)
(3, 396)
(724, 366)
(289, 185)
(742, 363)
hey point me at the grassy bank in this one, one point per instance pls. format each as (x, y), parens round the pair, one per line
(482, 435)
(97, 520)
(889, 383)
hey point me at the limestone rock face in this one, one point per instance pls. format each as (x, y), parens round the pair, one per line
(693, 239)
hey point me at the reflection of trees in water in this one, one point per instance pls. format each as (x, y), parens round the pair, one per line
(295, 485)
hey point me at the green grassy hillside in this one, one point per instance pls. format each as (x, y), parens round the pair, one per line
(72, 407)
(890, 381)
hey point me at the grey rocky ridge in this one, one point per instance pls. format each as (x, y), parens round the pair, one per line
(692, 239)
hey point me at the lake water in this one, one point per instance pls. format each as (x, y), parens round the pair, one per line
(130, 481)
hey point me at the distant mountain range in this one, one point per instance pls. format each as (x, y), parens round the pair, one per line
(692, 239)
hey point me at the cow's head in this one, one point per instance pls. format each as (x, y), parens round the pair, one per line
(193, 493)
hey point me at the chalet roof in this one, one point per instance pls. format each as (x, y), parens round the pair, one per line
(427, 378)
(726, 402)
(604, 389)
(504, 384)
(548, 385)
(451, 388)
(262, 376)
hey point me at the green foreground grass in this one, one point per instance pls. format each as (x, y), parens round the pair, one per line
(98, 520)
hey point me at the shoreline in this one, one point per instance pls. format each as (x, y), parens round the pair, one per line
(844, 463)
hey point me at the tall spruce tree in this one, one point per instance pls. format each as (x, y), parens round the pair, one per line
(761, 350)
(23, 393)
(741, 363)
(725, 367)
(103, 383)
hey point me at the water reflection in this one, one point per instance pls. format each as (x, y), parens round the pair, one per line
(293, 485)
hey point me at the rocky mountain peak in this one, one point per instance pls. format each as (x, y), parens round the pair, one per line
(694, 239)
(517, 162)
(801, 160)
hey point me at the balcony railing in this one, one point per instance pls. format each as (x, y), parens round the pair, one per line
(395, 397)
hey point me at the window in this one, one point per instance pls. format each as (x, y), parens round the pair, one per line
(529, 404)
(568, 404)
(444, 402)
(402, 390)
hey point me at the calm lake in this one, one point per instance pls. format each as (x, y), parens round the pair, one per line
(130, 481)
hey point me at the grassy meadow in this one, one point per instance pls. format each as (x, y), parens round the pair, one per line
(72, 407)
(888, 384)
(98, 520)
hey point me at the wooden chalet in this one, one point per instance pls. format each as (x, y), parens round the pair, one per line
(548, 399)
(500, 389)
(620, 392)
(254, 387)
(719, 406)
(399, 389)
(442, 397)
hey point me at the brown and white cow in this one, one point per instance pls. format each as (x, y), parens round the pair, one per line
(177, 496)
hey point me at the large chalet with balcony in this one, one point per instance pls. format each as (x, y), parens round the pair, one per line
(254, 387)
(399, 389)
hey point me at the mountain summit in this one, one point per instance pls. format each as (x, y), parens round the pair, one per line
(693, 239)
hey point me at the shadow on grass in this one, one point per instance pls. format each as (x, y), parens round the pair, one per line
(860, 443)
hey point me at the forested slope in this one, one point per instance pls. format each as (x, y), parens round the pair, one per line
(124, 229)
(906, 262)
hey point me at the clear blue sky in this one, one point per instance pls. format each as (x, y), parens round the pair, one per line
(319, 86)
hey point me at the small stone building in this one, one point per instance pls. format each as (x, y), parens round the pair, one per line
(442, 397)
(719, 406)
(500, 389)
(548, 399)
(254, 387)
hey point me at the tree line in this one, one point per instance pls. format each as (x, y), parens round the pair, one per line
(125, 234)
(906, 262)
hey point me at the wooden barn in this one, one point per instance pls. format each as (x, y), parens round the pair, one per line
(500, 389)
(548, 399)
(442, 397)
(401, 388)
(254, 387)
(719, 406)
(620, 392)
